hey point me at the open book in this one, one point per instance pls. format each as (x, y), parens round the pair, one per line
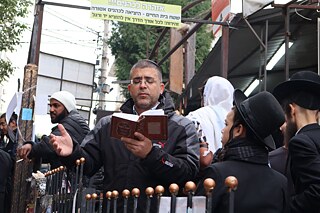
(153, 124)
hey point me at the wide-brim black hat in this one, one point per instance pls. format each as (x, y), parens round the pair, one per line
(303, 88)
(262, 113)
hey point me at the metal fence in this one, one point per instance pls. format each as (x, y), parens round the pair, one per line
(60, 190)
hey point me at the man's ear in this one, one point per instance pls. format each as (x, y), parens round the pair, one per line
(239, 131)
(162, 87)
(292, 110)
(129, 88)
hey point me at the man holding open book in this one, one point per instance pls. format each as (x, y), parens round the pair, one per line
(138, 161)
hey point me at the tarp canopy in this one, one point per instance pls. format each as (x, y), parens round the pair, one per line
(245, 56)
(251, 6)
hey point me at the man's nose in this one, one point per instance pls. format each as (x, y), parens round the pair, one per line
(143, 83)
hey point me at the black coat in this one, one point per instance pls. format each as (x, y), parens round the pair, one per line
(278, 162)
(260, 188)
(304, 155)
(5, 180)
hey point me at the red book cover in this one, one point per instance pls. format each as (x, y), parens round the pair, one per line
(152, 126)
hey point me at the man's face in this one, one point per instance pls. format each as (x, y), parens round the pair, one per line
(57, 111)
(228, 125)
(145, 88)
(3, 126)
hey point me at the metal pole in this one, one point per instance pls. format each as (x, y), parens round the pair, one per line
(135, 194)
(209, 185)
(149, 193)
(104, 66)
(232, 183)
(174, 189)
(224, 52)
(266, 54)
(34, 48)
(125, 195)
(159, 192)
(190, 188)
(287, 37)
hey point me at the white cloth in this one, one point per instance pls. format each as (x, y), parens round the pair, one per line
(218, 98)
(252, 6)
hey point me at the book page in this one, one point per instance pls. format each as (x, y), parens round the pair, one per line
(126, 116)
(153, 112)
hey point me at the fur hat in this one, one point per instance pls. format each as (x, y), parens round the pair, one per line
(262, 113)
(66, 98)
(303, 88)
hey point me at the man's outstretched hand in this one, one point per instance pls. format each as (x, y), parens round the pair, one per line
(62, 144)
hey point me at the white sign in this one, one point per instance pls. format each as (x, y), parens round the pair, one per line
(14, 106)
(137, 12)
(198, 204)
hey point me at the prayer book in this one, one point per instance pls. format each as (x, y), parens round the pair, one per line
(153, 124)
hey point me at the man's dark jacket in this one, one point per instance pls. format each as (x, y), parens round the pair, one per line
(278, 161)
(173, 161)
(5, 180)
(304, 156)
(74, 124)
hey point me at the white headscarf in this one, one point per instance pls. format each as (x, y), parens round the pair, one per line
(218, 98)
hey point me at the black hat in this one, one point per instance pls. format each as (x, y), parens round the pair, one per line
(303, 88)
(262, 113)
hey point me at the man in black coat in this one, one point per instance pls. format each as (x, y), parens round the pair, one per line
(300, 99)
(140, 161)
(246, 138)
(63, 110)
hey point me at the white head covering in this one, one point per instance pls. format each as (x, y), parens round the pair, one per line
(218, 99)
(66, 98)
(218, 91)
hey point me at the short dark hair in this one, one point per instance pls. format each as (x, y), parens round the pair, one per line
(146, 63)
(13, 117)
(285, 104)
(239, 120)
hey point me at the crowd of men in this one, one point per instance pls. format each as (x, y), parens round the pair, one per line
(230, 135)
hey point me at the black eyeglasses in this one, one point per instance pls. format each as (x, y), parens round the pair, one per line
(138, 80)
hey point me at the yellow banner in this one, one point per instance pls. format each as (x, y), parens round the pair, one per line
(137, 12)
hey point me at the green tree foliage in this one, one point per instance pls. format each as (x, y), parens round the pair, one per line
(11, 11)
(131, 42)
